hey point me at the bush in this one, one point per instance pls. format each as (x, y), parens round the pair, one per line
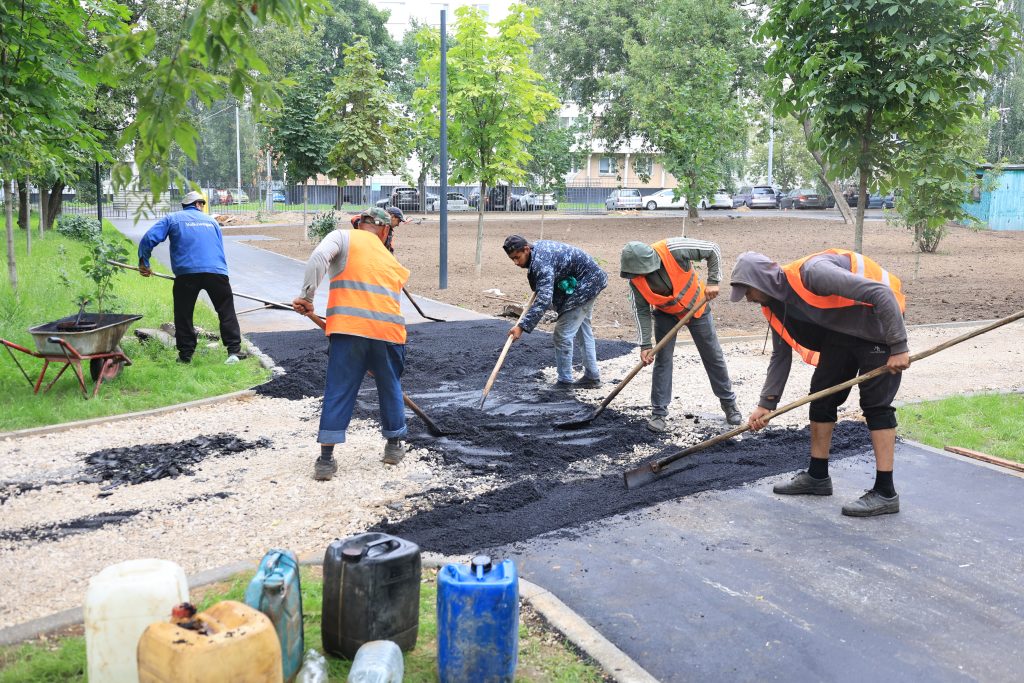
(77, 227)
(322, 225)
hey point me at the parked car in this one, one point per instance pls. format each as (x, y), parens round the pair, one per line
(531, 201)
(720, 200)
(457, 202)
(278, 196)
(663, 199)
(408, 199)
(495, 200)
(742, 196)
(880, 201)
(763, 197)
(625, 198)
(802, 198)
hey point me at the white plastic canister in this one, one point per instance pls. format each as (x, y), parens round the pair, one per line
(122, 600)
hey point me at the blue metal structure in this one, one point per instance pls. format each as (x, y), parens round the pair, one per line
(1001, 207)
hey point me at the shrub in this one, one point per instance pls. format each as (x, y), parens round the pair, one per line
(77, 227)
(322, 225)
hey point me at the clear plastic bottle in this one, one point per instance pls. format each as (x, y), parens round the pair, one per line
(378, 661)
(314, 668)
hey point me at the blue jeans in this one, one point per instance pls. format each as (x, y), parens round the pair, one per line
(349, 360)
(571, 325)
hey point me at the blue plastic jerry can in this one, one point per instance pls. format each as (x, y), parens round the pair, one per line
(478, 622)
(275, 591)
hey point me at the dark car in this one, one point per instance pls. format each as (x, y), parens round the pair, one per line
(880, 201)
(802, 198)
(497, 198)
(408, 199)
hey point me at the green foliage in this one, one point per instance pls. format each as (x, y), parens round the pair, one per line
(76, 227)
(793, 165)
(554, 149)
(97, 267)
(322, 225)
(876, 76)
(368, 134)
(942, 176)
(990, 424)
(297, 135)
(690, 112)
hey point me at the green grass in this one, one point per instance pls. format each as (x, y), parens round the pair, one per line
(990, 424)
(154, 379)
(541, 659)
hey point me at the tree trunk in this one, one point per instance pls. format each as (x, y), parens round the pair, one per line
(42, 211)
(542, 202)
(12, 267)
(477, 261)
(305, 198)
(337, 197)
(362, 192)
(862, 203)
(55, 205)
(833, 187)
(23, 206)
(421, 185)
(691, 192)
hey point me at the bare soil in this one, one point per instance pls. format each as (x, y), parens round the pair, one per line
(974, 275)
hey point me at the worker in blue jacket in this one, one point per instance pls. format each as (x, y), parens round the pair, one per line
(198, 262)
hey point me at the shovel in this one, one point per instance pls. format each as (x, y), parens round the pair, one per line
(576, 424)
(656, 469)
(504, 352)
(431, 427)
(420, 310)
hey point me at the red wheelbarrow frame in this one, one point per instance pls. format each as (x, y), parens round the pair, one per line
(69, 358)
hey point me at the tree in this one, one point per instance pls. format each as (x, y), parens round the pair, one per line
(1006, 138)
(691, 112)
(873, 74)
(792, 163)
(298, 137)
(494, 99)
(425, 140)
(554, 149)
(367, 132)
(943, 175)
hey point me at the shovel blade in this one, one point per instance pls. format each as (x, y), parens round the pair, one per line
(645, 474)
(576, 424)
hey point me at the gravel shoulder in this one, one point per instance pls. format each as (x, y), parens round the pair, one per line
(237, 506)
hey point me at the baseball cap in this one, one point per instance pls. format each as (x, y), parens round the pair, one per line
(377, 215)
(397, 213)
(514, 243)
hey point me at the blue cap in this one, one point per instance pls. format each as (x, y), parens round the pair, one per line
(397, 213)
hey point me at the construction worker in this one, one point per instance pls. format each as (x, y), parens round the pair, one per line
(567, 280)
(396, 217)
(366, 332)
(843, 313)
(662, 278)
(198, 263)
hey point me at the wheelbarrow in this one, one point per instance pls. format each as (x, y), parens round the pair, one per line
(74, 340)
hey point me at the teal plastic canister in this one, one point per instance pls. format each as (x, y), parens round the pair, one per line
(478, 622)
(275, 591)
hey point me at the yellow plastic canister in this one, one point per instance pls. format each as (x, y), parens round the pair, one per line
(239, 645)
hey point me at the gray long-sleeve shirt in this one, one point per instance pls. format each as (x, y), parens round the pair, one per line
(825, 275)
(329, 258)
(685, 251)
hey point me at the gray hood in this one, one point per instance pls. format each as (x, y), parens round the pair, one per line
(638, 259)
(760, 272)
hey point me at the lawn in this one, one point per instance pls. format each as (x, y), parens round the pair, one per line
(990, 423)
(544, 656)
(154, 379)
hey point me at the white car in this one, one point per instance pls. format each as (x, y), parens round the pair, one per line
(625, 198)
(457, 202)
(663, 200)
(535, 202)
(720, 200)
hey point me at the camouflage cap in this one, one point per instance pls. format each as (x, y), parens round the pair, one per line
(377, 215)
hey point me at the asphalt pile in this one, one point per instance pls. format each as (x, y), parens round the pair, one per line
(514, 442)
(149, 462)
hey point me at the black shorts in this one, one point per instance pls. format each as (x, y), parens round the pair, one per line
(843, 358)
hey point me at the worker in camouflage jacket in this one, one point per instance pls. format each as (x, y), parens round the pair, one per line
(567, 280)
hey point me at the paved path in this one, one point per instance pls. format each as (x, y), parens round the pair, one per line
(743, 585)
(277, 278)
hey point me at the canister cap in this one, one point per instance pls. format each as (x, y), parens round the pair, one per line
(353, 553)
(481, 562)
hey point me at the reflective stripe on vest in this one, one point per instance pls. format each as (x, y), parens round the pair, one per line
(859, 265)
(365, 298)
(686, 286)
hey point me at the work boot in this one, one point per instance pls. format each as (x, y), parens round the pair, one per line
(185, 360)
(872, 503)
(732, 413)
(805, 484)
(658, 424)
(587, 382)
(394, 451)
(232, 359)
(324, 469)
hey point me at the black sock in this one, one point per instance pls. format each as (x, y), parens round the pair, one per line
(818, 468)
(326, 451)
(883, 484)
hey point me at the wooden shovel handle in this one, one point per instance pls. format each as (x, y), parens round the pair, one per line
(504, 352)
(657, 347)
(659, 464)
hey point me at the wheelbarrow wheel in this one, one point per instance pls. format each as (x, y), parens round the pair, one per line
(96, 368)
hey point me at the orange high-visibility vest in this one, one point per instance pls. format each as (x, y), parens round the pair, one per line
(859, 265)
(365, 298)
(686, 286)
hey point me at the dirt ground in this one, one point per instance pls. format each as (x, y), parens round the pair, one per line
(974, 276)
